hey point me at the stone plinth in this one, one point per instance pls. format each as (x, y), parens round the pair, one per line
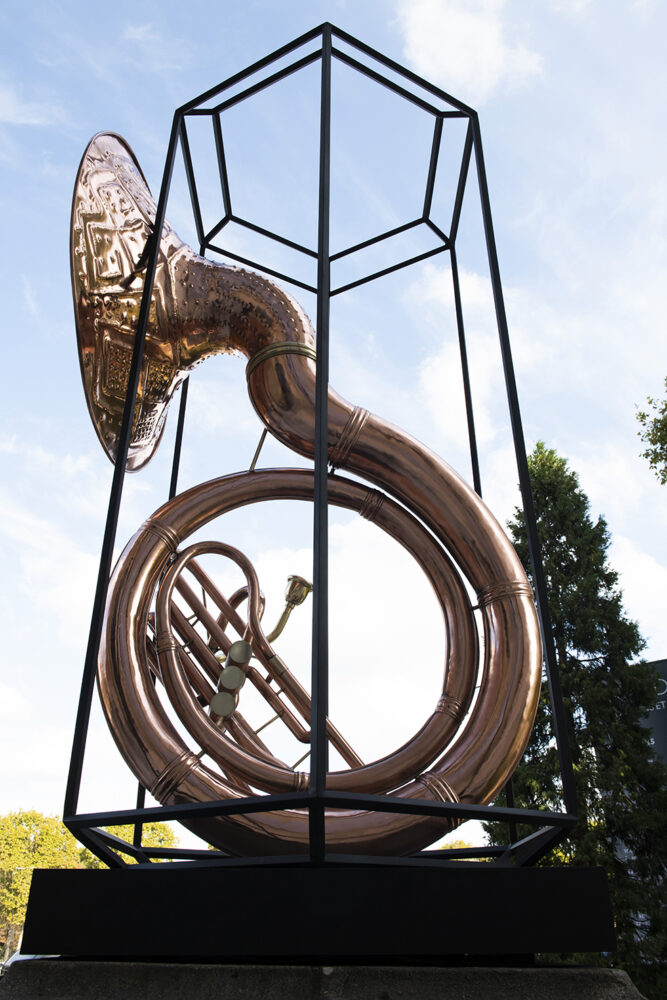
(60, 979)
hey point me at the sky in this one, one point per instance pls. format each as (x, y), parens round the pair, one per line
(571, 98)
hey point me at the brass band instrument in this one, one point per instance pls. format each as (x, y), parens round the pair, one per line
(468, 747)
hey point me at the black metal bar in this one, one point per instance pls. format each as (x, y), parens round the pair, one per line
(402, 71)
(192, 184)
(118, 844)
(320, 642)
(438, 231)
(542, 601)
(263, 84)
(461, 186)
(425, 807)
(489, 851)
(534, 847)
(389, 84)
(273, 236)
(376, 239)
(254, 68)
(189, 810)
(222, 167)
(214, 861)
(95, 843)
(389, 270)
(510, 803)
(178, 443)
(433, 860)
(337, 800)
(189, 853)
(260, 267)
(218, 227)
(433, 166)
(472, 437)
(139, 826)
(106, 557)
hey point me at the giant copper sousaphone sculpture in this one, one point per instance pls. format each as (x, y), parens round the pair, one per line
(200, 308)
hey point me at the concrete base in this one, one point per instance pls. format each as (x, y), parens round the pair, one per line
(60, 979)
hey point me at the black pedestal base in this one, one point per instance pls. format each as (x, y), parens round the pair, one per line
(307, 915)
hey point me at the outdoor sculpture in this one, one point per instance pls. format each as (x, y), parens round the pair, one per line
(467, 749)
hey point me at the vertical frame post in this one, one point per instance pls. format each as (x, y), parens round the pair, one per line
(320, 644)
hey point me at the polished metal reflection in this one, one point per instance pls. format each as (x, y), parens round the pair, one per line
(200, 308)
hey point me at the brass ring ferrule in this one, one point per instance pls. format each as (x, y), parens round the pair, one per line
(275, 350)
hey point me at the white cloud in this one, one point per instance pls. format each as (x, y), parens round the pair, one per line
(500, 483)
(570, 7)
(157, 52)
(51, 570)
(440, 373)
(140, 33)
(609, 477)
(29, 296)
(13, 704)
(463, 46)
(16, 111)
(644, 584)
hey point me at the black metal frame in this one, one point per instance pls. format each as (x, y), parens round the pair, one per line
(551, 825)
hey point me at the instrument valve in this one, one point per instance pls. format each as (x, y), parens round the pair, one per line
(231, 680)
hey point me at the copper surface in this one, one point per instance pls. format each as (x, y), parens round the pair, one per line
(201, 308)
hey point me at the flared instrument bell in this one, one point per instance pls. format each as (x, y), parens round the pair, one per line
(112, 218)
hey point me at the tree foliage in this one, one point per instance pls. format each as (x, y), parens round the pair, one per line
(621, 789)
(28, 840)
(654, 435)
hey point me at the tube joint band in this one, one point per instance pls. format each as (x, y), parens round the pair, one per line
(172, 775)
(275, 350)
(438, 787)
(372, 504)
(164, 532)
(449, 706)
(348, 437)
(504, 589)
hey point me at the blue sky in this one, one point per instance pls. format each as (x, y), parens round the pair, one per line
(571, 98)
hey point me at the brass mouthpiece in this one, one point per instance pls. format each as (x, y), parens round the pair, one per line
(297, 591)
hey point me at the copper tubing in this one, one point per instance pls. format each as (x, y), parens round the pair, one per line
(202, 309)
(137, 573)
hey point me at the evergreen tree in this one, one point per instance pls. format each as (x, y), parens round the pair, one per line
(621, 789)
